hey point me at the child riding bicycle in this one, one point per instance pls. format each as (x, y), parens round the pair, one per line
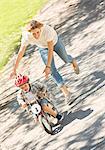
(29, 92)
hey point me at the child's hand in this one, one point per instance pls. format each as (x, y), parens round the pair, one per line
(35, 120)
(24, 105)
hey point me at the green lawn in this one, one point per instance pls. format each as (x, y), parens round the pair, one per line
(13, 15)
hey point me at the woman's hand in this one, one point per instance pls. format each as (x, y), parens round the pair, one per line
(13, 74)
(47, 71)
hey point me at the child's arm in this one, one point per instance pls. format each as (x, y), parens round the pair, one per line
(21, 101)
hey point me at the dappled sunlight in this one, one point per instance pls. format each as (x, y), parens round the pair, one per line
(81, 25)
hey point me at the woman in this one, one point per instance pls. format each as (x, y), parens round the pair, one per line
(46, 38)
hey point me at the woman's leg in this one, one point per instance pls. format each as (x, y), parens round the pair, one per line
(55, 74)
(59, 48)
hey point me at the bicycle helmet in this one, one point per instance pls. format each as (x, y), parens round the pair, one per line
(21, 79)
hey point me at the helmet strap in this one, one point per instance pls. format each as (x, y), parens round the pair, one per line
(29, 87)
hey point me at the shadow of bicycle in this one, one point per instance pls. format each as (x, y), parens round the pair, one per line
(70, 117)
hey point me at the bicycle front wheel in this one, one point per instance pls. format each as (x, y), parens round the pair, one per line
(46, 125)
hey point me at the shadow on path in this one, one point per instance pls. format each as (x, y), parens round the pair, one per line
(70, 117)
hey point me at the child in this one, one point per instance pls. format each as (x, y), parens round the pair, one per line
(28, 93)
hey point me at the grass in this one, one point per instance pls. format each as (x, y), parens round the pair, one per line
(13, 15)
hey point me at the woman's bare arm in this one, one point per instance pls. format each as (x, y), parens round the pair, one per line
(50, 52)
(19, 57)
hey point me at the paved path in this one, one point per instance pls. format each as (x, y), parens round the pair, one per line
(81, 23)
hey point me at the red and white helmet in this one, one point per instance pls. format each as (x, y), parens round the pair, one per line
(21, 79)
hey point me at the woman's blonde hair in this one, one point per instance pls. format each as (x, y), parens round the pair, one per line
(33, 24)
